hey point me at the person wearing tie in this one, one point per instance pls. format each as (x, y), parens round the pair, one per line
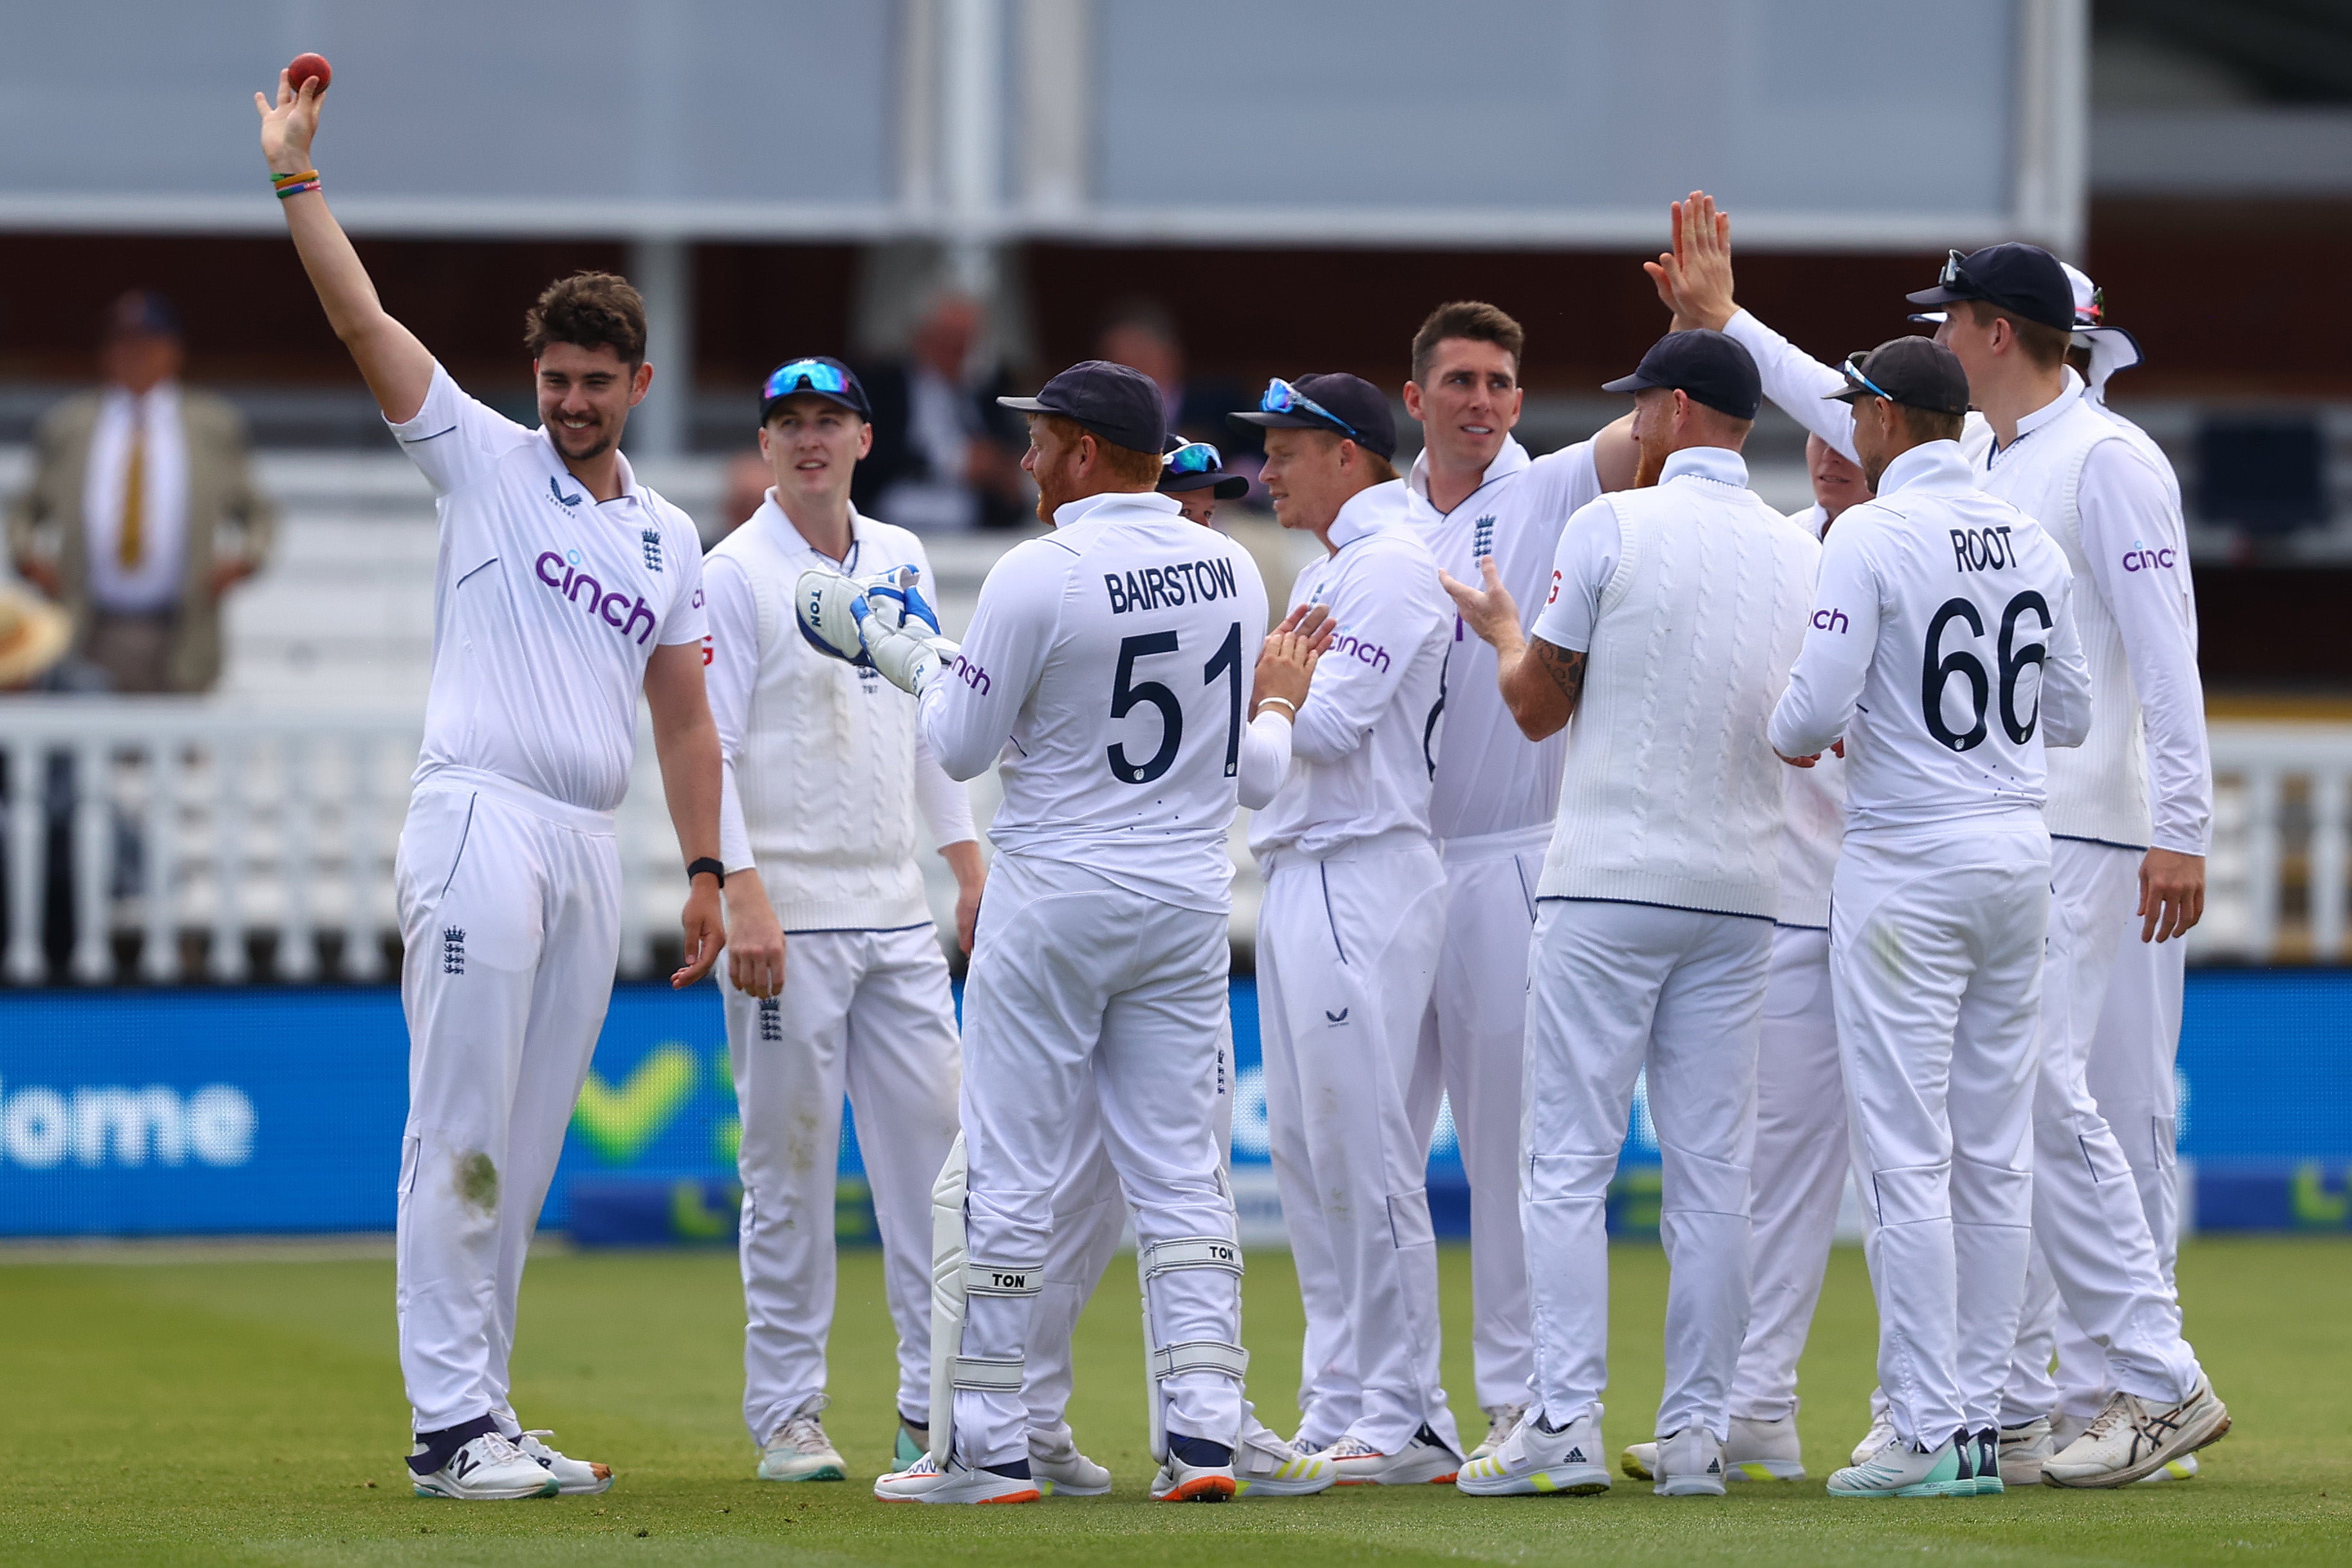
(141, 512)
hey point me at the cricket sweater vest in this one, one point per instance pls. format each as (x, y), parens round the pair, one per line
(828, 762)
(2098, 791)
(1672, 796)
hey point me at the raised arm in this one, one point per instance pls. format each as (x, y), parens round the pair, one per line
(398, 368)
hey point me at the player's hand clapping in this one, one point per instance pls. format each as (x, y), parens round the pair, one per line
(1693, 279)
(1490, 612)
(1286, 666)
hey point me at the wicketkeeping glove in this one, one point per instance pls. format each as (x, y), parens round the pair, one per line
(828, 607)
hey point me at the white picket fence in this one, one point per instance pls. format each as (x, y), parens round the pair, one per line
(197, 833)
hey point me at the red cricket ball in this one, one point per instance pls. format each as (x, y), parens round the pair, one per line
(306, 66)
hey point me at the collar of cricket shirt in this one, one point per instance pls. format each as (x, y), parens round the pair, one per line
(1721, 464)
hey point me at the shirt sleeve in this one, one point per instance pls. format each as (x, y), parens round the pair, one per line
(1834, 660)
(454, 438)
(1581, 567)
(1560, 484)
(688, 619)
(731, 666)
(969, 709)
(2127, 527)
(1798, 381)
(2065, 702)
(1387, 612)
(1265, 761)
(945, 805)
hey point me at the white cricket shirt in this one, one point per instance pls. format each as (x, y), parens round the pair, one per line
(2128, 517)
(1812, 812)
(1107, 672)
(546, 604)
(824, 774)
(1365, 744)
(1942, 648)
(1490, 778)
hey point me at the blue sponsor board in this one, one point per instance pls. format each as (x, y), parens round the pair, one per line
(222, 1110)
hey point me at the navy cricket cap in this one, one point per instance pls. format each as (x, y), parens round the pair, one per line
(820, 376)
(1119, 403)
(1198, 465)
(2025, 279)
(1344, 404)
(1918, 372)
(1707, 367)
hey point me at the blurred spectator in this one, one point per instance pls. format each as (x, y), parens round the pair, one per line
(34, 637)
(748, 480)
(1142, 333)
(945, 455)
(142, 513)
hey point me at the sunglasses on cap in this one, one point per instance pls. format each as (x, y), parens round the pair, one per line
(806, 375)
(1954, 274)
(1281, 397)
(1853, 368)
(1193, 457)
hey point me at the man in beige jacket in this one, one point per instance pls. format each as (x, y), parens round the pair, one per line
(142, 513)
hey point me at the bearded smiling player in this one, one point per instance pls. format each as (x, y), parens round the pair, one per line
(565, 588)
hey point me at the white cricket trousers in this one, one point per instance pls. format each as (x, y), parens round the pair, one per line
(2094, 1246)
(1472, 1056)
(511, 925)
(1798, 1176)
(867, 1014)
(1936, 946)
(1616, 989)
(1081, 988)
(1347, 949)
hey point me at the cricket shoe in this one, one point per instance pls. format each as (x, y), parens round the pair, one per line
(1196, 1470)
(2183, 1468)
(1982, 1454)
(800, 1451)
(2024, 1449)
(1690, 1464)
(1881, 1433)
(1266, 1465)
(1758, 1451)
(1535, 1460)
(573, 1478)
(1502, 1420)
(2132, 1437)
(488, 1468)
(1425, 1461)
(1899, 1470)
(924, 1481)
(1060, 1470)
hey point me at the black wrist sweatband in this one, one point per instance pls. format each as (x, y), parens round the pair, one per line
(715, 867)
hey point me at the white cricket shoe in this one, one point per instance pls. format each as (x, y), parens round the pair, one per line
(1181, 1481)
(489, 1468)
(2024, 1449)
(2132, 1437)
(1881, 1433)
(1266, 1465)
(800, 1451)
(1899, 1469)
(1502, 1420)
(1690, 1464)
(1535, 1459)
(573, 1478)
(1425, 1461)
(923, 1481)
(2183, 1468)
(1060, 1470)
(1758, 1451)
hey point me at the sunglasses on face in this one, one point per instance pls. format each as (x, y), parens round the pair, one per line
(1193, 457)
(1281, 397)
(806, 375)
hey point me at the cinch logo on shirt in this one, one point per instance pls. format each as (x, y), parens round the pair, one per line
(971, 674)
(2140, 558)
(1829, 620)
(604, 606)
(1362, 652)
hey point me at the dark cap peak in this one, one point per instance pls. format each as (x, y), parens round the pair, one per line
(1118, 403)
(1706, 366)
(1344, 404)
(1918, 372)
(2016, 277)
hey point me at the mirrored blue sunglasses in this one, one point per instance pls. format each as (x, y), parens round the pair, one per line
(1193, 457)
(1853, 368)
(806, 375)
(1281, 397)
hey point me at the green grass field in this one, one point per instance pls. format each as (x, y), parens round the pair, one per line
(177, 1406)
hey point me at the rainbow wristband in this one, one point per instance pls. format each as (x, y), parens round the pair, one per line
(296, 190)
(294, 184)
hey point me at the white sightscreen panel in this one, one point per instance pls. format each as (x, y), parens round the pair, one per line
(1815, 106)
(482, 100)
